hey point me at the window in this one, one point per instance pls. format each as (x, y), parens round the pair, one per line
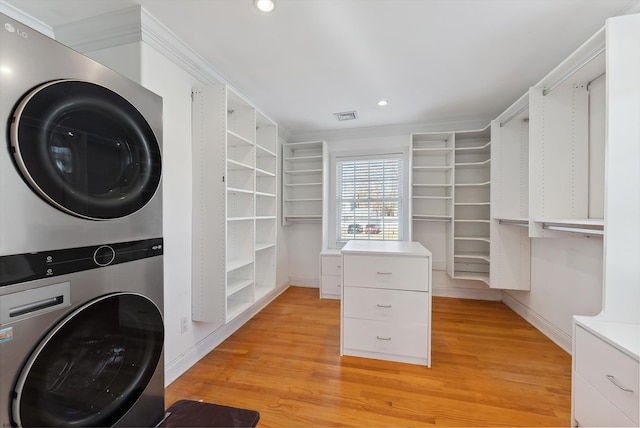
(369, 198)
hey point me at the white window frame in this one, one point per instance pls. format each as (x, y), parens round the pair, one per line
(404, 220)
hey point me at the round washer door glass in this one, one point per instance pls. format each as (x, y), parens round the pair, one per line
(92, 366)
(85, 149)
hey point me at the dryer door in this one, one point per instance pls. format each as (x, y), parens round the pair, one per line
(85, 149)
(93, 366)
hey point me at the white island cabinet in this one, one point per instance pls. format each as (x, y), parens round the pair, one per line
(386, 301)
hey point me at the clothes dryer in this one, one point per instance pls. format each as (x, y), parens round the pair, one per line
(81, 161)
(81, 336)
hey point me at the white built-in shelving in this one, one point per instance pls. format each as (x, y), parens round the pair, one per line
(471, 219)
(235, 210)
(302, 181)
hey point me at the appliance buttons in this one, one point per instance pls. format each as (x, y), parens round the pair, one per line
(104, 255)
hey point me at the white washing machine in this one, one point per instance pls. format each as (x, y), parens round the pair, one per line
(81, 287)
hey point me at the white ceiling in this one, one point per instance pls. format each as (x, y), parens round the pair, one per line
(435, 61)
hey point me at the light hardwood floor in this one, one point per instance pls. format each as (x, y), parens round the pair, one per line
(489, 368)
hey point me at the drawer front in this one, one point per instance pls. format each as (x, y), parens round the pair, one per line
(331, 265)
(591, 409)
(402, 273)
(331, 285)
(386, 305)
(389, 338)
(609, 371)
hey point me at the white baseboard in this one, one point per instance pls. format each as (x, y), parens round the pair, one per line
(468, 293)
(177, 367)
(305, 282)
(558, 336)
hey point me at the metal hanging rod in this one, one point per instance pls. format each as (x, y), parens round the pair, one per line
(574, 71)
(513, 115)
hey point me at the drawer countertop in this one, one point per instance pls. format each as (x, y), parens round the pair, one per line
(400, 248)
(623, 336)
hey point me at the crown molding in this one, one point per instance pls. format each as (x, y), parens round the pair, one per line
(15, 13)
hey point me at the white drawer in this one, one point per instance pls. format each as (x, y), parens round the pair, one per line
(331, 285)
(402, 273)
(591, 409)
(608, 370)
(331, 265)
(389, 338)
(386, 305)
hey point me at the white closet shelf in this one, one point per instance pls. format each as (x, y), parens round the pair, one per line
(433, 185)
(265, 173)
(267, 152)
(432, 217)
(234, 139)
(300, 217)
(265, 217)
(302, 184)
(233, 286)
(433, 197)
(304, 200)
(234, 165)
(443, 168)
(238, 190)
(265, 194)
(474, 164)
(303, 171)
(472, 220)
(483, 184)
(264, 245)
(239, 218)
(472, 204)
(236, 308)
(472, 238)
(303, 158)
(478, 149)
(471, 255)
(432, 151)
(484, 277)
(237, 264)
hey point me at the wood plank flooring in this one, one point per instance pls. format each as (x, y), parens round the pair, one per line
(489, 368)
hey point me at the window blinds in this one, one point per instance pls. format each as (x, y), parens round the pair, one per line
(369, 198)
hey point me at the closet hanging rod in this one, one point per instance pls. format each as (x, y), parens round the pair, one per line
(513, 115)
(574, 71)
(574, 229)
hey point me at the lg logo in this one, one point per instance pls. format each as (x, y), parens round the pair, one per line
(10, 28)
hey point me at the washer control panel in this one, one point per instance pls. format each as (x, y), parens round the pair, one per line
(27, 267)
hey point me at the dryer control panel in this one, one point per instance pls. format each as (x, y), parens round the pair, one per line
(27, 267)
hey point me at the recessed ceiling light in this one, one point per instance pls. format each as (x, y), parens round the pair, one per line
(265, 5)
(383, 103)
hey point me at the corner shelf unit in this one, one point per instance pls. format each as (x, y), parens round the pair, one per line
(471, 219)
(302, 181)
(234, 205)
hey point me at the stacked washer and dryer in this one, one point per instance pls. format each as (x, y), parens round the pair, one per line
(81, 285)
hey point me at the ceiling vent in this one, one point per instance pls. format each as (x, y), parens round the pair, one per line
(346, 115)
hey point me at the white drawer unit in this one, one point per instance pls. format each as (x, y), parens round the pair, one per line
(606, 375)
(386, 301)
(330, 274)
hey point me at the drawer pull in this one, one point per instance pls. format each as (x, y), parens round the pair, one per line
(612, 379)
(383, 273)
(383, 306)
(383, 337)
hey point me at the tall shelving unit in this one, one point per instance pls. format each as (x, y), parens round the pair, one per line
(302, 181)
(471, 218)
(234, 213)
(432, 193)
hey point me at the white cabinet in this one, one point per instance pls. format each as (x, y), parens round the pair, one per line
(234, 205)
(386, 301)
(302, 181)
(330, 274)
(606, 377)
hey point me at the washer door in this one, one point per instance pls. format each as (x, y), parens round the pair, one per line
(93, 366)
(85, 149)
